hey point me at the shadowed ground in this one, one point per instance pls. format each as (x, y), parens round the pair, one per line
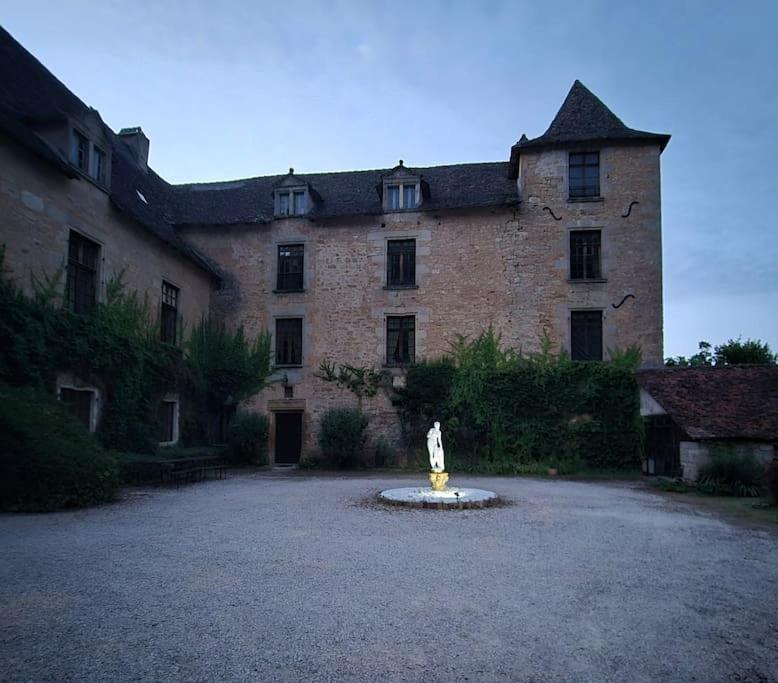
(287, 577)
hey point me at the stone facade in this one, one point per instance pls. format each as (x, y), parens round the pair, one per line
(697, 454)
(40, 206)
(506, 267)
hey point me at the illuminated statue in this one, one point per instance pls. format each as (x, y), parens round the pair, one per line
(435, 448)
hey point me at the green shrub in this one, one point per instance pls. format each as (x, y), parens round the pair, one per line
(47, 458)
(731, 474)
(248, 438)
(342, 436)
(771, 480)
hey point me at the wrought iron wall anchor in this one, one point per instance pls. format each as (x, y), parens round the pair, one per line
(626, 296)
(554, 216)
(629, 209)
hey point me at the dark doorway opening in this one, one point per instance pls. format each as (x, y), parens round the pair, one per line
(663, 446)
(289, 438)
(79, 402)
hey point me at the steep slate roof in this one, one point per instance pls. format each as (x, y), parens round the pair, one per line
(349, 193)
(30, 95)
(584, 118)
(724, 402)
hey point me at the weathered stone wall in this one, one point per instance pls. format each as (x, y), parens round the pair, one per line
(696, 454)
(39, 206)
(508, 268)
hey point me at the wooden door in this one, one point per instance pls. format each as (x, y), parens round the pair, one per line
(289, 438)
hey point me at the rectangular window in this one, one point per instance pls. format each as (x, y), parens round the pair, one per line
(80, 154)
(290, 267)
(168, 317)
(585, 255)
(283, 204)
(401, 263)
(81, 284)
(409, 196)
(98, 164)
(584, 174)
(400, 339)
(393, 197)
(79, 402)
(299, 203)
(167, 421)
(289, 341)
(586, 335)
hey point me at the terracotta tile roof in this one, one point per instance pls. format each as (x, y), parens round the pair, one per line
(724, 402)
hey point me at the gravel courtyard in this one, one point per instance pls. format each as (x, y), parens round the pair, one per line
(278, 577)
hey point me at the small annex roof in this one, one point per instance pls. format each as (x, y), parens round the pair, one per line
(719, 402)
(584, 118)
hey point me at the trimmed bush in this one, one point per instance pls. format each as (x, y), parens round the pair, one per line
(48, 460)
(248, 438)
(771, 480)
(731, 474)
(342, 436)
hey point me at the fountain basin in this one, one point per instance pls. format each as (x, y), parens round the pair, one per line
(455, 497)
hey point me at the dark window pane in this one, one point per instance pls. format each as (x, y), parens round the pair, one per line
(81, 280)
(79, 403)
(401, 263)
(167, 413)
(585, 255)
(290, 267)
(584, 174)
(586, 335)
(289, 341)
(400, 339)
(169, 313)
(80, 155)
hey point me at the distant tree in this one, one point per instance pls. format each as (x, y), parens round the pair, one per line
(750, 351)
(702, 357)
(734, 352)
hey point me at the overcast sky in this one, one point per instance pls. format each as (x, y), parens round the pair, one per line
(229, 90)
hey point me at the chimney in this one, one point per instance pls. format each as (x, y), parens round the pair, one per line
(138, 143)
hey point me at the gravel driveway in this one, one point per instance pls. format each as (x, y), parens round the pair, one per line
(279, 577)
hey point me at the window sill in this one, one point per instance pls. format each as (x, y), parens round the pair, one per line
(85, 176)
(278, 365)
(288, 291)
(574, 200)
(587, 281)
(398, 366)
(284, 216)
(404, 210)
(396, 287)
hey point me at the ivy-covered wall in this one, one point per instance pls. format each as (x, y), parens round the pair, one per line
(505, 412)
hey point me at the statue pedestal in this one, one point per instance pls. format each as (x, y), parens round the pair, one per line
(438, 480)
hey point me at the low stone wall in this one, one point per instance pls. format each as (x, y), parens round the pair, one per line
(695, 454)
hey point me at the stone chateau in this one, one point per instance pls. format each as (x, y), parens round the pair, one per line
(371, 268)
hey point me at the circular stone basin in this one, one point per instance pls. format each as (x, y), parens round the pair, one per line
(416, 496)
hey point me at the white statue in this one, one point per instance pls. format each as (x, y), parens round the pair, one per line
(435, 448)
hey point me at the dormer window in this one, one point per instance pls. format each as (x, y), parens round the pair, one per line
(89, 158)
(292, 197)
(80, 156)
(401, 190)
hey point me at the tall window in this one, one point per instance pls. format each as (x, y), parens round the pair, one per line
(291, 203)
(585, 255)
(97, 170)
(401, 263)
(83, 261)
(290, 267)
(393, 197)
(169, 313)
(400, 339)
(584, 174)
(167, 421)
(409, 196)
(80, 154)
(289, 341)
(586, 335)
(298, 203)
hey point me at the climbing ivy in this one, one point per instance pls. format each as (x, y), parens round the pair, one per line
(504, 411)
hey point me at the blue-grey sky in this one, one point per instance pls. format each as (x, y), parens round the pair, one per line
(228, 90)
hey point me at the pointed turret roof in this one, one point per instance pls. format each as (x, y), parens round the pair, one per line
(584, 118)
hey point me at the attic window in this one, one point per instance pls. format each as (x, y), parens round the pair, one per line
(80, 154)
(89, 158)
(402, 190)
(291, 202)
